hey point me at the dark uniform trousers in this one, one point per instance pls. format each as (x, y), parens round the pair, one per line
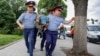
(29, 39)
(51, 39)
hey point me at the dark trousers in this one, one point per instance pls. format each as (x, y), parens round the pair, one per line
(51, 39)
(62, 33)
(43, 40)
(29, 39)
(40, 33)
(35, 36)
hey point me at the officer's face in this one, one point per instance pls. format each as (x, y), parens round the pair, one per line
(30, 7)
(58, 12)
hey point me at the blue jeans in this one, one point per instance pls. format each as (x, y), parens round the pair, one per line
(35, 36)
(29, 39)
(51, 39)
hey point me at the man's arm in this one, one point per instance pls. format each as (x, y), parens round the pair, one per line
(19, 21)
(69, 21)
(20, 24)
(37, 19)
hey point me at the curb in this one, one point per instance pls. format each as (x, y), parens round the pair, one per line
(2, 47)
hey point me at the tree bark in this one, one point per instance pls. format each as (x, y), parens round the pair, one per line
(80, 37)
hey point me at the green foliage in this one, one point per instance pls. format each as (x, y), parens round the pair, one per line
(7, 18)
(9, 12)
(18, 6)
(49, 4)
(17, 31)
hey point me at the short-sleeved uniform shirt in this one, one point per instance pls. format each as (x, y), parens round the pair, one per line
(28, 19)
(54, 22)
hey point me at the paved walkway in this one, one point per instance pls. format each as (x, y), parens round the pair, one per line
(19, 49)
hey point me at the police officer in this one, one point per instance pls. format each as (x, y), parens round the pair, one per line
(52, 30)
(44, 22)
(26, 23)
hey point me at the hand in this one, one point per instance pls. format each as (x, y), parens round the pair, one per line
(45, 29)
(22, 27)
(73, 18)
(47, 25)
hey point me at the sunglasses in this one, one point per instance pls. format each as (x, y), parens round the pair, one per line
(30, 6)
(59, 10)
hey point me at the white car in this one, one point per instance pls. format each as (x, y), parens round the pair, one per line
(93, 33)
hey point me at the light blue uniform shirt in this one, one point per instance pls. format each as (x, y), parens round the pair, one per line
(54, 22)
(28, 19)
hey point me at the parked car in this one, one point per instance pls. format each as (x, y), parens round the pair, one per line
(93, 33)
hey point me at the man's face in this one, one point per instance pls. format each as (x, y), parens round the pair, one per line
(30, 7)
(58, 12)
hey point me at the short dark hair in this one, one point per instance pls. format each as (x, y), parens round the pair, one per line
(34, 9)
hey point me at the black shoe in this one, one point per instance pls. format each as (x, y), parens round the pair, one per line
(47, 54)
(50, 55)
(34, 47)
(41, 49)
(31, 54)
(27, 51)
(58, 38)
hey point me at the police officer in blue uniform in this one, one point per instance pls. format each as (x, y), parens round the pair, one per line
(52, 30)
(44, 22)
(26, 23)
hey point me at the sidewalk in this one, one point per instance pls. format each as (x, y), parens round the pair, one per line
(19, 49)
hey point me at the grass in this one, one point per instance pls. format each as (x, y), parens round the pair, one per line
(6, 39)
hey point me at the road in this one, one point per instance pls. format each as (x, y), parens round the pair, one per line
(19, 49)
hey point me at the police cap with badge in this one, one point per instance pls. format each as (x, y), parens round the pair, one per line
(58, 8)
(30, 2)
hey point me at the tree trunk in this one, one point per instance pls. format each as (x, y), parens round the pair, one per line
(80, 37)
